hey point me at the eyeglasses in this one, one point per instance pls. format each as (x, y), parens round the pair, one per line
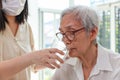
(70, 35)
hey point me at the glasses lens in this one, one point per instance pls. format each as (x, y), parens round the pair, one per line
(59, 36)
(70, 35)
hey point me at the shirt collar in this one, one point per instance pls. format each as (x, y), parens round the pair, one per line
(9, 32)
(103, 62)
(71, 61)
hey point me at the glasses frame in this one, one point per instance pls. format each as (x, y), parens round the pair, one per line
(71, 32)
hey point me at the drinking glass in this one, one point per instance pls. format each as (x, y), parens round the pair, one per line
(61, 46)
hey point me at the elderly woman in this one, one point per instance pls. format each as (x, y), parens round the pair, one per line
(87, 59)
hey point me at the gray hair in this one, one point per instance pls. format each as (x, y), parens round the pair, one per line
(85, 15)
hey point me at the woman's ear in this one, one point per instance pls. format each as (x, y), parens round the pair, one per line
(93, 33)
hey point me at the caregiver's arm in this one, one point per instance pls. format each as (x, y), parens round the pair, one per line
(46, 57)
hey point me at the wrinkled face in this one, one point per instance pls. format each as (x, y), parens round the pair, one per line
(81, 42)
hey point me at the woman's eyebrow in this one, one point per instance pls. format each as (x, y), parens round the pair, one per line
(68, 28)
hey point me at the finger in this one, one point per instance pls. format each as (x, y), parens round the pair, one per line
(54, 50)
(49, 66)
(53, 56)
(53, 62)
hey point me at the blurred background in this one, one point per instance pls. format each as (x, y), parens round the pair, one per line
(44, 19)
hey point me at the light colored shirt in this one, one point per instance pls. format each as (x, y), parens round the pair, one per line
(12, 46)
(107, 67)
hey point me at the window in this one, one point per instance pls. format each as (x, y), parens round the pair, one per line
(104, 29)
(117, 28)
(109, 35)
(53, 4)
(49, 23)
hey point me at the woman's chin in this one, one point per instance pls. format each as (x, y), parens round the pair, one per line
(71, 54)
